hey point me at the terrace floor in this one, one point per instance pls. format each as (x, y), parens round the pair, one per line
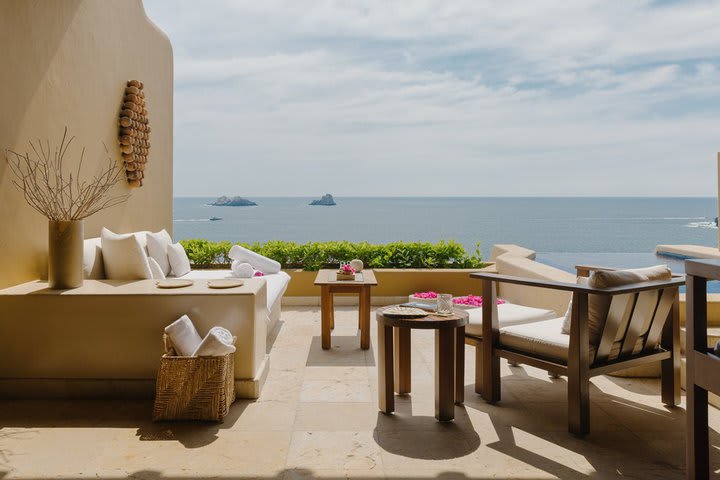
(318, 418)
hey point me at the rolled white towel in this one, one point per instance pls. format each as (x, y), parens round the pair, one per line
(264, 264)
(242, 269)
(183, 335)
(218, 342)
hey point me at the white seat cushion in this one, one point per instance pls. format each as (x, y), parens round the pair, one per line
(545, 340)
(276, 283)
(540, 339)
(208, 274)
(508, 314)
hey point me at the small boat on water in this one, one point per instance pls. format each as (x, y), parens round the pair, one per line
(213, 219)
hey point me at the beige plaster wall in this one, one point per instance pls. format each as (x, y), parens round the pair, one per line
(65, 63)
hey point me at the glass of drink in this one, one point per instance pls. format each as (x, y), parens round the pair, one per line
(444, 304)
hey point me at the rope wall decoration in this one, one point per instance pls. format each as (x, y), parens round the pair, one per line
(134, 134)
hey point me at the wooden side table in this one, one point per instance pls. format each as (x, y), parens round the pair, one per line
(703, 366)
(394, 359)
(329, 285)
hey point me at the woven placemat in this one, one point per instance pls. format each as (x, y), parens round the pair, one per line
(173, 283)
(225, 283)
(405, 312)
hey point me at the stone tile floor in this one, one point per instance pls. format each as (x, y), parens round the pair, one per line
(318, 418)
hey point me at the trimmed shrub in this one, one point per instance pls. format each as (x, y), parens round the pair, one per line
(316, 255)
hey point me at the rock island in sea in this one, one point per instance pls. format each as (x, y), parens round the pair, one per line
(233, 202)
(326, 200)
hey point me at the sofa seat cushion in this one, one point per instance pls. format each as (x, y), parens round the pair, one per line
(276, 283)
(545, 340)
(508, 314)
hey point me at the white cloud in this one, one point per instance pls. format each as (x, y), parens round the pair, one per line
(586, 97)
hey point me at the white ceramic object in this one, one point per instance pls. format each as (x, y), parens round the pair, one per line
(357, 264)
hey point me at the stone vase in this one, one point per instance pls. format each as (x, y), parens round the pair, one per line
(65, 253)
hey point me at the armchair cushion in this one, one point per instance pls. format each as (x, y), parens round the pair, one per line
(545, 340)
(508, 314)
(599, 305)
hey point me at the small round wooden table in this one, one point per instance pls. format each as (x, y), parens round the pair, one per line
(394, 359)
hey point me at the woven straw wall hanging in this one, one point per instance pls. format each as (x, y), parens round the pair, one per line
(134, 133)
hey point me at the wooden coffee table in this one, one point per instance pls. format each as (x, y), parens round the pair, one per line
(329, 285)
(394, 359)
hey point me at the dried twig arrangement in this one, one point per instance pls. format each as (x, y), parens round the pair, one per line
(134, 134)
(59, 195)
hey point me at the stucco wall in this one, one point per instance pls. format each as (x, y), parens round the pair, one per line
(65, 63)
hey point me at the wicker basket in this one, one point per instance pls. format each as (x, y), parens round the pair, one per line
(193, 388)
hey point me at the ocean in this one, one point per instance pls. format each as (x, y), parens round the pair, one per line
(615, 232)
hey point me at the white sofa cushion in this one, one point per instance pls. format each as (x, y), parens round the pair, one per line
(264, 264)
(179, 261)
(599, 305)
(276, 283)
(157, 244)
(508, 314)
(183, 336)
(123, 257)
(544, 339)
(93, 268)
(157, 273)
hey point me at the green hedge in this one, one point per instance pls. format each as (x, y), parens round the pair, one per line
(317, 255)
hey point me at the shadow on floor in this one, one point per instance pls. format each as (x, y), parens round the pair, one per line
(627, 439)
(114, 414)
(286, 474)
(344, 351)
(423, 437)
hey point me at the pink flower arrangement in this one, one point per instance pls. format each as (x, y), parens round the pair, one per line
(473, 301)
(426, 295)
(346, 268)
(258, 273)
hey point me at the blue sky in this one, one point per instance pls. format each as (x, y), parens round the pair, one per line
(442, 97)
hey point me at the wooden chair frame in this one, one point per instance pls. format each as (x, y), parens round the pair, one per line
(662, 343)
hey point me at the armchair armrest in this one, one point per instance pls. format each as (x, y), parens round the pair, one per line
(675, 281)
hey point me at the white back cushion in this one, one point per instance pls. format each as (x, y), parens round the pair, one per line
(179, 261)
(123, 257)
(93, 268)
(157, 244)
(157, 273)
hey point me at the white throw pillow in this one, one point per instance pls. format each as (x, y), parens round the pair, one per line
(217, 343)
(157, 273)
(123, 257)
(179, 261)
(568, 314)
(264, 264)
(93, 268)
(183, 335)
(157, 244)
